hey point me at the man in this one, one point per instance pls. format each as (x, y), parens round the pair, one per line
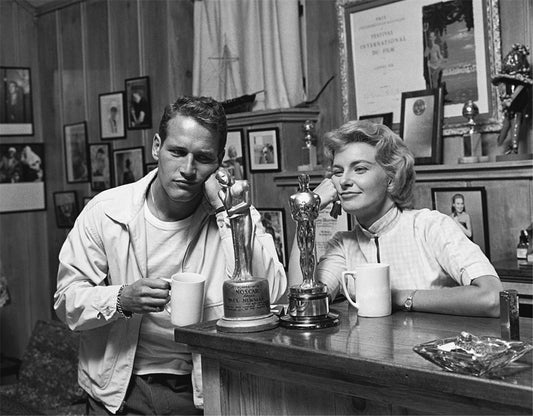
(115, 266)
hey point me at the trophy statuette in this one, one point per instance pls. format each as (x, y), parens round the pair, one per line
(246, 298)
(308, 302)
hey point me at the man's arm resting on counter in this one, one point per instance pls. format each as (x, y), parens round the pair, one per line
(480, 298)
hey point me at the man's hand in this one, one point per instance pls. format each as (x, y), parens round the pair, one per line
(211, 189)
(145, 295)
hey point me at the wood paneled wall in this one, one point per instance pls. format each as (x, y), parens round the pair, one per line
(90, 47)
(76, 53)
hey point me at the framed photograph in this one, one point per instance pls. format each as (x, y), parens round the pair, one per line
(273, 220)
(234, 157)
(468, 206)
(76, 160)
(112, 121)
(66, 208)
(128, 165)
(384, 118)
(420, 125)
(100, 166)
(139, 103)
(16, 110)
(390, 48)
(326, 226)
(22, 180)
(150, 167)
(263, 148)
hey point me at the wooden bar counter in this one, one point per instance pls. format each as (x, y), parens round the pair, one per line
(362, 366)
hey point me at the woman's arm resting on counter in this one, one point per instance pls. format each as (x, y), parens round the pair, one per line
(480, 298)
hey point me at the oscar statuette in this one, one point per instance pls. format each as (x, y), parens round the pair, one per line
(308, 302)
(246, 298)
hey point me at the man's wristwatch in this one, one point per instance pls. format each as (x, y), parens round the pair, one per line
(408, 304)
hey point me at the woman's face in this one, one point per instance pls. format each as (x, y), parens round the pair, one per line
(361, 183)
(459, 205)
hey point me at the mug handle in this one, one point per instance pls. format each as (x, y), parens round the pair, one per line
(345, 288)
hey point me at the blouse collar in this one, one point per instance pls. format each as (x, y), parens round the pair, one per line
(383, 224)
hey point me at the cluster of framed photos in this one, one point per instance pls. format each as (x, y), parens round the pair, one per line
(263, 152)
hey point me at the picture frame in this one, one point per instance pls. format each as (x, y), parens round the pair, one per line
(326, 226)
(22, 177)
(475, 206)
(421, 125)
(383, 118)
(273, 220)
(382, 39)
(139, 103)
(100, 166)
(233, 160)
(76, 158)
(264, 150)
(16, 107)
(128, 165)
(66, 208)
(111, 114)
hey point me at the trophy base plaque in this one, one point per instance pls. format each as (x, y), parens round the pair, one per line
(246, 307)
(309, 309)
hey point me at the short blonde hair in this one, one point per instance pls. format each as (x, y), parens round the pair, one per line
(391, 154)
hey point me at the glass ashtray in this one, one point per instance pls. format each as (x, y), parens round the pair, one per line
(472, 355)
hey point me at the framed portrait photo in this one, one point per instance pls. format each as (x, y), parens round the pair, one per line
(468, 207)
(76, 160)
(390, 48)
(100, 166)
(112, 115)
(384, 118)
(128, 165)
(16, 109)
(139, 103)
(66, 208)
(22, 179)
(421, 125)
(233, 160)
(273, 220)
(263, 145)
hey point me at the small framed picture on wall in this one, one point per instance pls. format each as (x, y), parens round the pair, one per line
(66, 208)
(16, 109)
(264, 151)
(128, 165)
(467, 206)
(76, 152)
(112, 121)
(100, 166)
(273, 220)
(139, 103)
(234, 157)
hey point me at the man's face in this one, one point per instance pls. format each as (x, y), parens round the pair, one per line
(187, 157)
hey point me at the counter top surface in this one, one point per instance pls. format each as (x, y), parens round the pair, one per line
(380, 349)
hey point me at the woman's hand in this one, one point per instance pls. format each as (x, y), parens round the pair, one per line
(327, 192)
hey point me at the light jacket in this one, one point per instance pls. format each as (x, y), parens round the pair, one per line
(107, 248)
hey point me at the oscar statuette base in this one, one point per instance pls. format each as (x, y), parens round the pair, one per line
(309, 309)
(246, 307)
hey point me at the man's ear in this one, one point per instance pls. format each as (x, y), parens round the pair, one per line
(156, 146)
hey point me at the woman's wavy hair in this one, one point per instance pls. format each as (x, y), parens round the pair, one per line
(391, 154)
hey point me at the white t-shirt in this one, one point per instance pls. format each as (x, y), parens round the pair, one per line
(157, 352)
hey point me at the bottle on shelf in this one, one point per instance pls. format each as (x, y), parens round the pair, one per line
(522, 247)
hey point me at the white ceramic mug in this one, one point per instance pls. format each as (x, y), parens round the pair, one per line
(372, 289)
(186, 304)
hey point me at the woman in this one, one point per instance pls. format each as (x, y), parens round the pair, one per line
(460, 216)
(433, 266)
